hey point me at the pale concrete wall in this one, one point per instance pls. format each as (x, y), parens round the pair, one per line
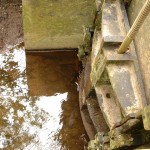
(142, 43)
(56, 24)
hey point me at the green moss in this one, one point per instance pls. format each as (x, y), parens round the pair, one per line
(45, 19)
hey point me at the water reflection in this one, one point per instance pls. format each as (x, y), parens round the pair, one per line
(13, 81)
(38, 122)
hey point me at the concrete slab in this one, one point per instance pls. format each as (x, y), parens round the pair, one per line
(142, 44)
(126, 87)
(108, 104)
(113, 30)
(56, 24)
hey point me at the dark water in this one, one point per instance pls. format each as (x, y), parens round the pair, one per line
(39, 102)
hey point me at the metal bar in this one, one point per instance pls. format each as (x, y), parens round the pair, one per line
(135, 27)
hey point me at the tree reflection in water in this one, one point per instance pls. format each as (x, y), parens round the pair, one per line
(37, 122)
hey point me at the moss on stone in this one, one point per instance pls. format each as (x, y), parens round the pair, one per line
(57, 24)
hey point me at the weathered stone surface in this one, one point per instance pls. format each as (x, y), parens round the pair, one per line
(129, 126)
(96, 115)
(56, 24)
(113, 30)
(146, 117)
(126, 140)
(98, 69)
(97, 44)
(87, 122)
(142, 43)
(125, 84)
(108, 104)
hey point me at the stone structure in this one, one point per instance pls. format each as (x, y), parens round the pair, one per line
(56, 24)
(142, 43)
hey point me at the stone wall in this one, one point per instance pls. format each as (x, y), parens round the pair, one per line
(142, 43)
(56, 24)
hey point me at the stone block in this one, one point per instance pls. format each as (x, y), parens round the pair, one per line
(56, 24)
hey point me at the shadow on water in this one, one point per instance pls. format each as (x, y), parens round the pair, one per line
(39, 103)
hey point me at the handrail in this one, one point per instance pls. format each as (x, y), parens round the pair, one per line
(135, 27)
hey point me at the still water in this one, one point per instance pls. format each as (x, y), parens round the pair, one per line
(39, 102)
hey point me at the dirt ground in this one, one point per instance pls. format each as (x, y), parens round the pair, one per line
(11, 32)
